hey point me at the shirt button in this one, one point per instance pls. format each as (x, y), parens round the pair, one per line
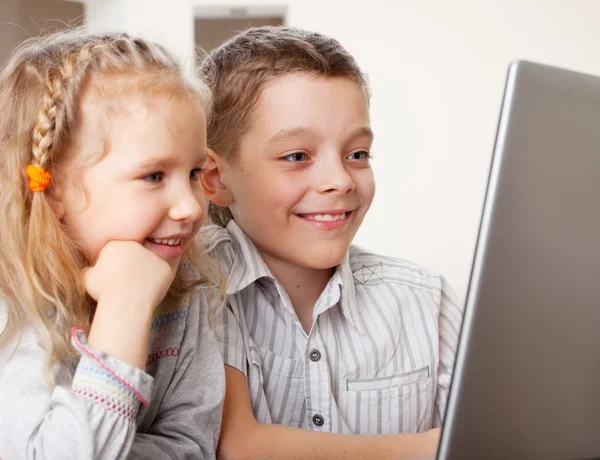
(314, 355)
(318, 420)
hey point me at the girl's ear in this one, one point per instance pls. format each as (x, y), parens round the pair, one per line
(211, 178)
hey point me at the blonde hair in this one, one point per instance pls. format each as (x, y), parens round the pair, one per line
(40, 93)
(238, 71)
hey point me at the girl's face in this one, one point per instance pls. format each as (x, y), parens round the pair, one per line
(146, 186)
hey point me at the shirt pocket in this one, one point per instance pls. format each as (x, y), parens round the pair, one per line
(387, 382)
(283, 386)
(396, 403)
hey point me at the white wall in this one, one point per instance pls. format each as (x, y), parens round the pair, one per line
(170, 22)
(437, 70)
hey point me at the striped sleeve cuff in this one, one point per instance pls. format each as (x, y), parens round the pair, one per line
(108, 382)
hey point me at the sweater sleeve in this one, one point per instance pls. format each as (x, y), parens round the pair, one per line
(92, 416)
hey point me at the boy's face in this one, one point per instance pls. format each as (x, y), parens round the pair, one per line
(301, 182)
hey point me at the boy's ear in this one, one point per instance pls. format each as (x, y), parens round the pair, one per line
(211, 178)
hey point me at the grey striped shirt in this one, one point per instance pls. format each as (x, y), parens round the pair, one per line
(378, 358)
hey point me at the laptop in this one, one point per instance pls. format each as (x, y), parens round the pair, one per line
(527, 375)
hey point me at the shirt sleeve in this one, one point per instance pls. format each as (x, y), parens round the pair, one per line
(231, 339)
(450, 321)
(93, 417)
(189, 418)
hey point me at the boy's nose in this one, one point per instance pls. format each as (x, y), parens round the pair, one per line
(335, 178)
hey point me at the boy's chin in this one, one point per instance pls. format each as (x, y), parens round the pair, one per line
(324, 256)
(323, 262)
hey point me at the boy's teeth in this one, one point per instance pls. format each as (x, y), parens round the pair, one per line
(328, 217)
(173, 242)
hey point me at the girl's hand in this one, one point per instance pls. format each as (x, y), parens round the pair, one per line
(128, 281)
(127, 272)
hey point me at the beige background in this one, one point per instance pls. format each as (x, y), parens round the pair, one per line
(20, 19)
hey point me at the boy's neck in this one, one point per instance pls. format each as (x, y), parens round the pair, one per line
(303, 286)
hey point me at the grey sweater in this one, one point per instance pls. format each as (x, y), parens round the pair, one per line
(103, 408)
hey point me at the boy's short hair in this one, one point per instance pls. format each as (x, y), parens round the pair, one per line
(239, 69)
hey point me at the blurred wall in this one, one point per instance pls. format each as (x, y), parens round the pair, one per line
(20, 19)
(211, 32)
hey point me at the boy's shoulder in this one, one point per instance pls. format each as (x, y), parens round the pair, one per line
(220, 245)
(214, 237)
(370, 269)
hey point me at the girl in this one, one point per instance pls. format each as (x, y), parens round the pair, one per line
(105, 349)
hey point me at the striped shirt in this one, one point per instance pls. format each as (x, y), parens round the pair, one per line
(378, 358)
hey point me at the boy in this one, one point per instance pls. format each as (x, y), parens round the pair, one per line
(317, 334)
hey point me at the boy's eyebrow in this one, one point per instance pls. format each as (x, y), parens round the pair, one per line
(363, 131)
(284, 134)
(291, 133)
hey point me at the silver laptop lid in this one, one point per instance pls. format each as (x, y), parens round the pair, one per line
(527, 376)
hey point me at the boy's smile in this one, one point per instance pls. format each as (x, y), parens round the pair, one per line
(301, 183)
(327, 220)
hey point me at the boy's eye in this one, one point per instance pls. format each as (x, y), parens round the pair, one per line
(360, 155)
(296, 157)
(195, 173)
(154, 177)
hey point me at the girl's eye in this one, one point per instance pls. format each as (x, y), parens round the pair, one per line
(296, 157)
(360, 155)
(195, 173)
(154, 177)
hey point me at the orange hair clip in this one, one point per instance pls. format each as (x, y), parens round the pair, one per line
(40, 178)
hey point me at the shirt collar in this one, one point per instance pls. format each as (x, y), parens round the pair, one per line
(342, 283)
(248, 267)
